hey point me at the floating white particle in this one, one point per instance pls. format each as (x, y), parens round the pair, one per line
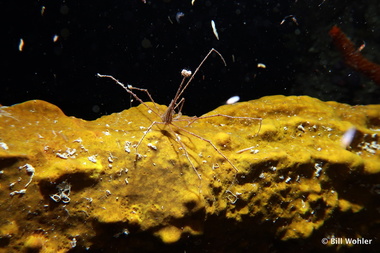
(178, 16)
(214, 29)
(55, 38)
(232, 100)
(21, 45)
(348, 137)
(261, 65)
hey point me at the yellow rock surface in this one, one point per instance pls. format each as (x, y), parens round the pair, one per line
(69, 183)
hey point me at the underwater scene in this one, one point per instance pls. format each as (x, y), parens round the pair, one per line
(190, 126)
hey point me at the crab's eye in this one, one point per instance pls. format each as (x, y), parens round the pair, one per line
(186, 73)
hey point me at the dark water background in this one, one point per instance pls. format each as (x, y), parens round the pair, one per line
(145, 46)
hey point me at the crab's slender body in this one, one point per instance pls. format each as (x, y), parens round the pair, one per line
(168, 117)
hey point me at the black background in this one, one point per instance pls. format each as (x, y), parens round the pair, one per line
(144, 45)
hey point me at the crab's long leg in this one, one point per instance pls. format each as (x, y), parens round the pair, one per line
(132, 93)
(211, 143)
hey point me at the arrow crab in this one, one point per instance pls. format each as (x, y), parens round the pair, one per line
(173, 115)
